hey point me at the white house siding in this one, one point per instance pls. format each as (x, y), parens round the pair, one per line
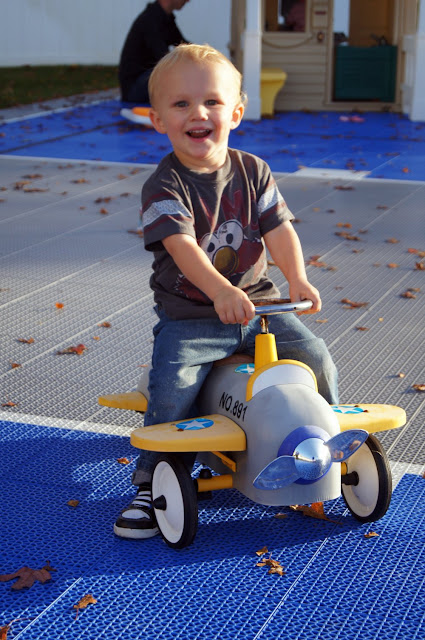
(93, 31)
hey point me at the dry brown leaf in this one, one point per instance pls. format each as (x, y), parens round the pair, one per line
(392, 240)
(73, 503)
(344, 225)
(9, 403)
(80, 181)
(315, 510)
(260, 552)
(321, 320)
(419, 387)
(96, 337)
(106, 325)
(419, 266)
(354, 305)
(371, 534)
(362, 328)
(78, 350)
(26, 340)
(15, 365)
(83, 603)
(103, 211)
(123, 460)
(6, 628)
(26, 576)
(407, 294)
(59, 305)
(347, 236)
(393, 265)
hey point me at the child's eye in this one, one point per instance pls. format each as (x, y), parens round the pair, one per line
(211, 102)
(180, 104)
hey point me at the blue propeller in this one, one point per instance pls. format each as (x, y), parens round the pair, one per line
(311, 459)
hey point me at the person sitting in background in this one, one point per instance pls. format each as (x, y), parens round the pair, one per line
(149, 40)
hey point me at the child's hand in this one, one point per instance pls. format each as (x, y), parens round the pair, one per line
(233, 306)
(305, 291)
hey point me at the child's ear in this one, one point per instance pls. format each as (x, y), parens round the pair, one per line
(156, 121)
(237, 115)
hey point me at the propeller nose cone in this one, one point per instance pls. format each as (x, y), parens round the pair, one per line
(312, 459)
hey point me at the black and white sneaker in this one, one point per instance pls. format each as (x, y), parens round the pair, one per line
(137, 521)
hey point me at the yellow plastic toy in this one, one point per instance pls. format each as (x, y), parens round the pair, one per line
(267, 432)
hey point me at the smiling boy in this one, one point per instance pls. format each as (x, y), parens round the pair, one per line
(208, 214)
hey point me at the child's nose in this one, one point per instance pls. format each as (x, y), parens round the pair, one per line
(200, 111)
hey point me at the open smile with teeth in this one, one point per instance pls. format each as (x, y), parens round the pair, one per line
(199, 133)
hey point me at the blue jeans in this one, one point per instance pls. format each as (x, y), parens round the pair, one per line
(184, 352)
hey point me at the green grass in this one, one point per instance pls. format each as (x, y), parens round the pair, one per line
(24, 85)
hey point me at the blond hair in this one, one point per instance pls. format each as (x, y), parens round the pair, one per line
(199, 54)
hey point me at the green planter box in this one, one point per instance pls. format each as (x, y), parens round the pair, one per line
(365, 73)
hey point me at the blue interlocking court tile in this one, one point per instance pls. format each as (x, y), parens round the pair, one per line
(338, 584)
(387, 145)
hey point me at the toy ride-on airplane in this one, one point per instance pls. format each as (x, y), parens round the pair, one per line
(266, 431)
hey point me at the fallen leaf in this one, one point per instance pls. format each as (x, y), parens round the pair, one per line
(96, 337)
(15, 365)
(26, 576)
(9, 403)
(105, 199)
(407, 294)
(419, 266)
(419, 387)
(84, 602)
(342, 187)
(316, 510)
(104, 324)
(371, 534)
(362, 328)
(347, 236)
(59, 305)
(26, 340)
(262, 551)
(405, 170)
(80, 181)
(392, 240)
(78, 350)
(417, 252)
(393, 265)
(103, 211)
(321, 320)
(345, 225)
(123, 460)
(354, 305)
(73, 503)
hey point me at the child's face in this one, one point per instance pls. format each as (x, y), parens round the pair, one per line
(197, 105)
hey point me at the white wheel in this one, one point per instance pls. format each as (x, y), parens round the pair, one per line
(367, 487)
(175, 502)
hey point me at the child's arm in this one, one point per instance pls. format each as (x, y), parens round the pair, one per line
(285, 249)
(231, 303)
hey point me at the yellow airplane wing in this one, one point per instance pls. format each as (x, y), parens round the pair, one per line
(206, 433)
(370, 417)
(133, 400)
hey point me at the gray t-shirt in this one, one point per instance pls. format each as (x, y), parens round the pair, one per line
(227, 212)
